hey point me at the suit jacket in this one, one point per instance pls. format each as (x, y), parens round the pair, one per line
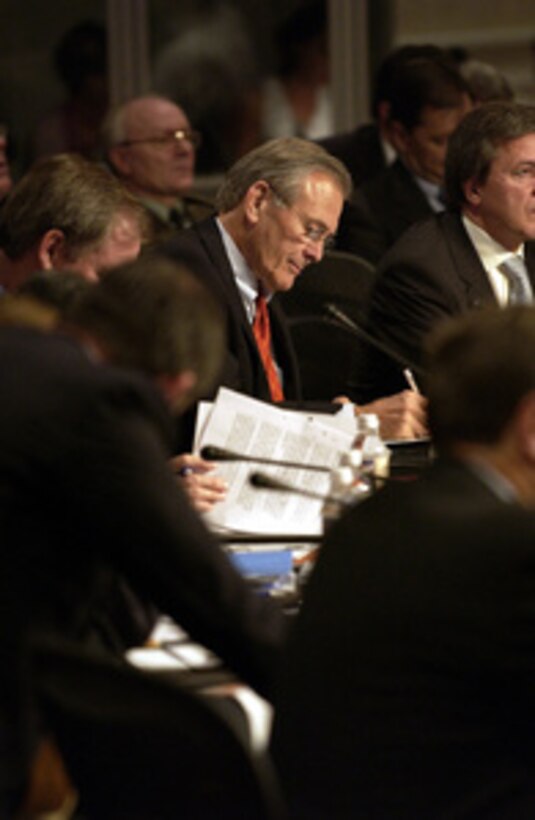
(84, 488)
(360, 150)
(380, 211)
(408, 687)
(431, 273)
(202, 248)
(188, 210)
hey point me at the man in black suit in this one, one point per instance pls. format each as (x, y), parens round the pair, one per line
(454, 261)
(428, 100)
(277, 207)
(371, 148)
(407, 690)
(87, 492)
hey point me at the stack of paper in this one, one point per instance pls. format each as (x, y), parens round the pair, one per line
(253, 428)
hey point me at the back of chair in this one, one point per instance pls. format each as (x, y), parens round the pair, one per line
(138, 747)
(341, 278)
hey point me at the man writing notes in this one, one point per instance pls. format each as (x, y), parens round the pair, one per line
(277, 208)
(478, 252)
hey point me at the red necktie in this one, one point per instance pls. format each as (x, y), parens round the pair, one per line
(262, 334)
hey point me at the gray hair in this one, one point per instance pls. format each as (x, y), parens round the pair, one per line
(282, 163)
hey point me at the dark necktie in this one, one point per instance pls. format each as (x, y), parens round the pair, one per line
(262, 334)
(514, 270)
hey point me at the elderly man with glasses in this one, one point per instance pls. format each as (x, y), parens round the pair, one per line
(278, 207)
(150, 145)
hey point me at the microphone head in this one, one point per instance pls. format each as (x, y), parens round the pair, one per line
(212, 453)
(266, 482)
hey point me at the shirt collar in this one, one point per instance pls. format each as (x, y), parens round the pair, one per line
(491, 253)
(246, 281)
(159, 209)
(500, 486)
(432, 192)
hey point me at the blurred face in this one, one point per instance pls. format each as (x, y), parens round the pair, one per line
(504, 205)
(423, 149)
(5, 175)
(283, 239)
(157, 157)
(121, 244)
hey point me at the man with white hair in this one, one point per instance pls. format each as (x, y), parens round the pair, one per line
(150, 145)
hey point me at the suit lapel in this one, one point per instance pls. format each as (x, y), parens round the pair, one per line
(470, 271)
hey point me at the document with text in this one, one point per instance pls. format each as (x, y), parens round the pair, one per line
(256, 429)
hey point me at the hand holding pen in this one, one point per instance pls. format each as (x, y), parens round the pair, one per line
(203, 488)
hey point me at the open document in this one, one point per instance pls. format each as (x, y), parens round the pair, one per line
(254, 428)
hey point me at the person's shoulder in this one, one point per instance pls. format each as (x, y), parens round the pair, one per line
(420, 243)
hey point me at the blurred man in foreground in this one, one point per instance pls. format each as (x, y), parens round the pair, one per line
(87, 490)
(408, 685)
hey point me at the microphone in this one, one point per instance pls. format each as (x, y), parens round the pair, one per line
(267, 482)
(341, 318)
(212, 453)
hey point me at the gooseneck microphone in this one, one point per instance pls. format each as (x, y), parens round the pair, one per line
(341, 318)
(266, 482)
(212, 453)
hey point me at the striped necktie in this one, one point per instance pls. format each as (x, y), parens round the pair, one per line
(515, 271)
(262, 334)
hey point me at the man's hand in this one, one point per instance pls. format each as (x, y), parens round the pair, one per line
(203, 489)
(403, 415)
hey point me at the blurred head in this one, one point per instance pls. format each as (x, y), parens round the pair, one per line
(385, 78)
(80, 58)
(481, 382)
(152, 315)
(281, 204)
(429, 100)
(68, 212)
(490, 171)
(485, 82)
(151, 146)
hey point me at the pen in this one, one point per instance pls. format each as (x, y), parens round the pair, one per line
(411, 381)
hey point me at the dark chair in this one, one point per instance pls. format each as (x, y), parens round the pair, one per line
(138, 747)
(341, 278)
(325, 356)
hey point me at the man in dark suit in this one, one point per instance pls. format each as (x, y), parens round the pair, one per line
(407, 690)
(277, 208)
(87, 490)
(457, 261)
(428, 100)
(371, 148)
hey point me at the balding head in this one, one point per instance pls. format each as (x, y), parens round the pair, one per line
(151, 147)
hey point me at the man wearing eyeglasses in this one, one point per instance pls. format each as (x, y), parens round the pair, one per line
(278, 207)
(150, 146)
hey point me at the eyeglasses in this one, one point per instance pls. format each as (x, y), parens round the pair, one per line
(311, 233)
(181, 135)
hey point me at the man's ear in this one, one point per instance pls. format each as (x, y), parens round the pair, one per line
(472, 193)
(399, 136)
(255, 200)
(177, 388)
(51, 249)
(118, 159)
(524, 422)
